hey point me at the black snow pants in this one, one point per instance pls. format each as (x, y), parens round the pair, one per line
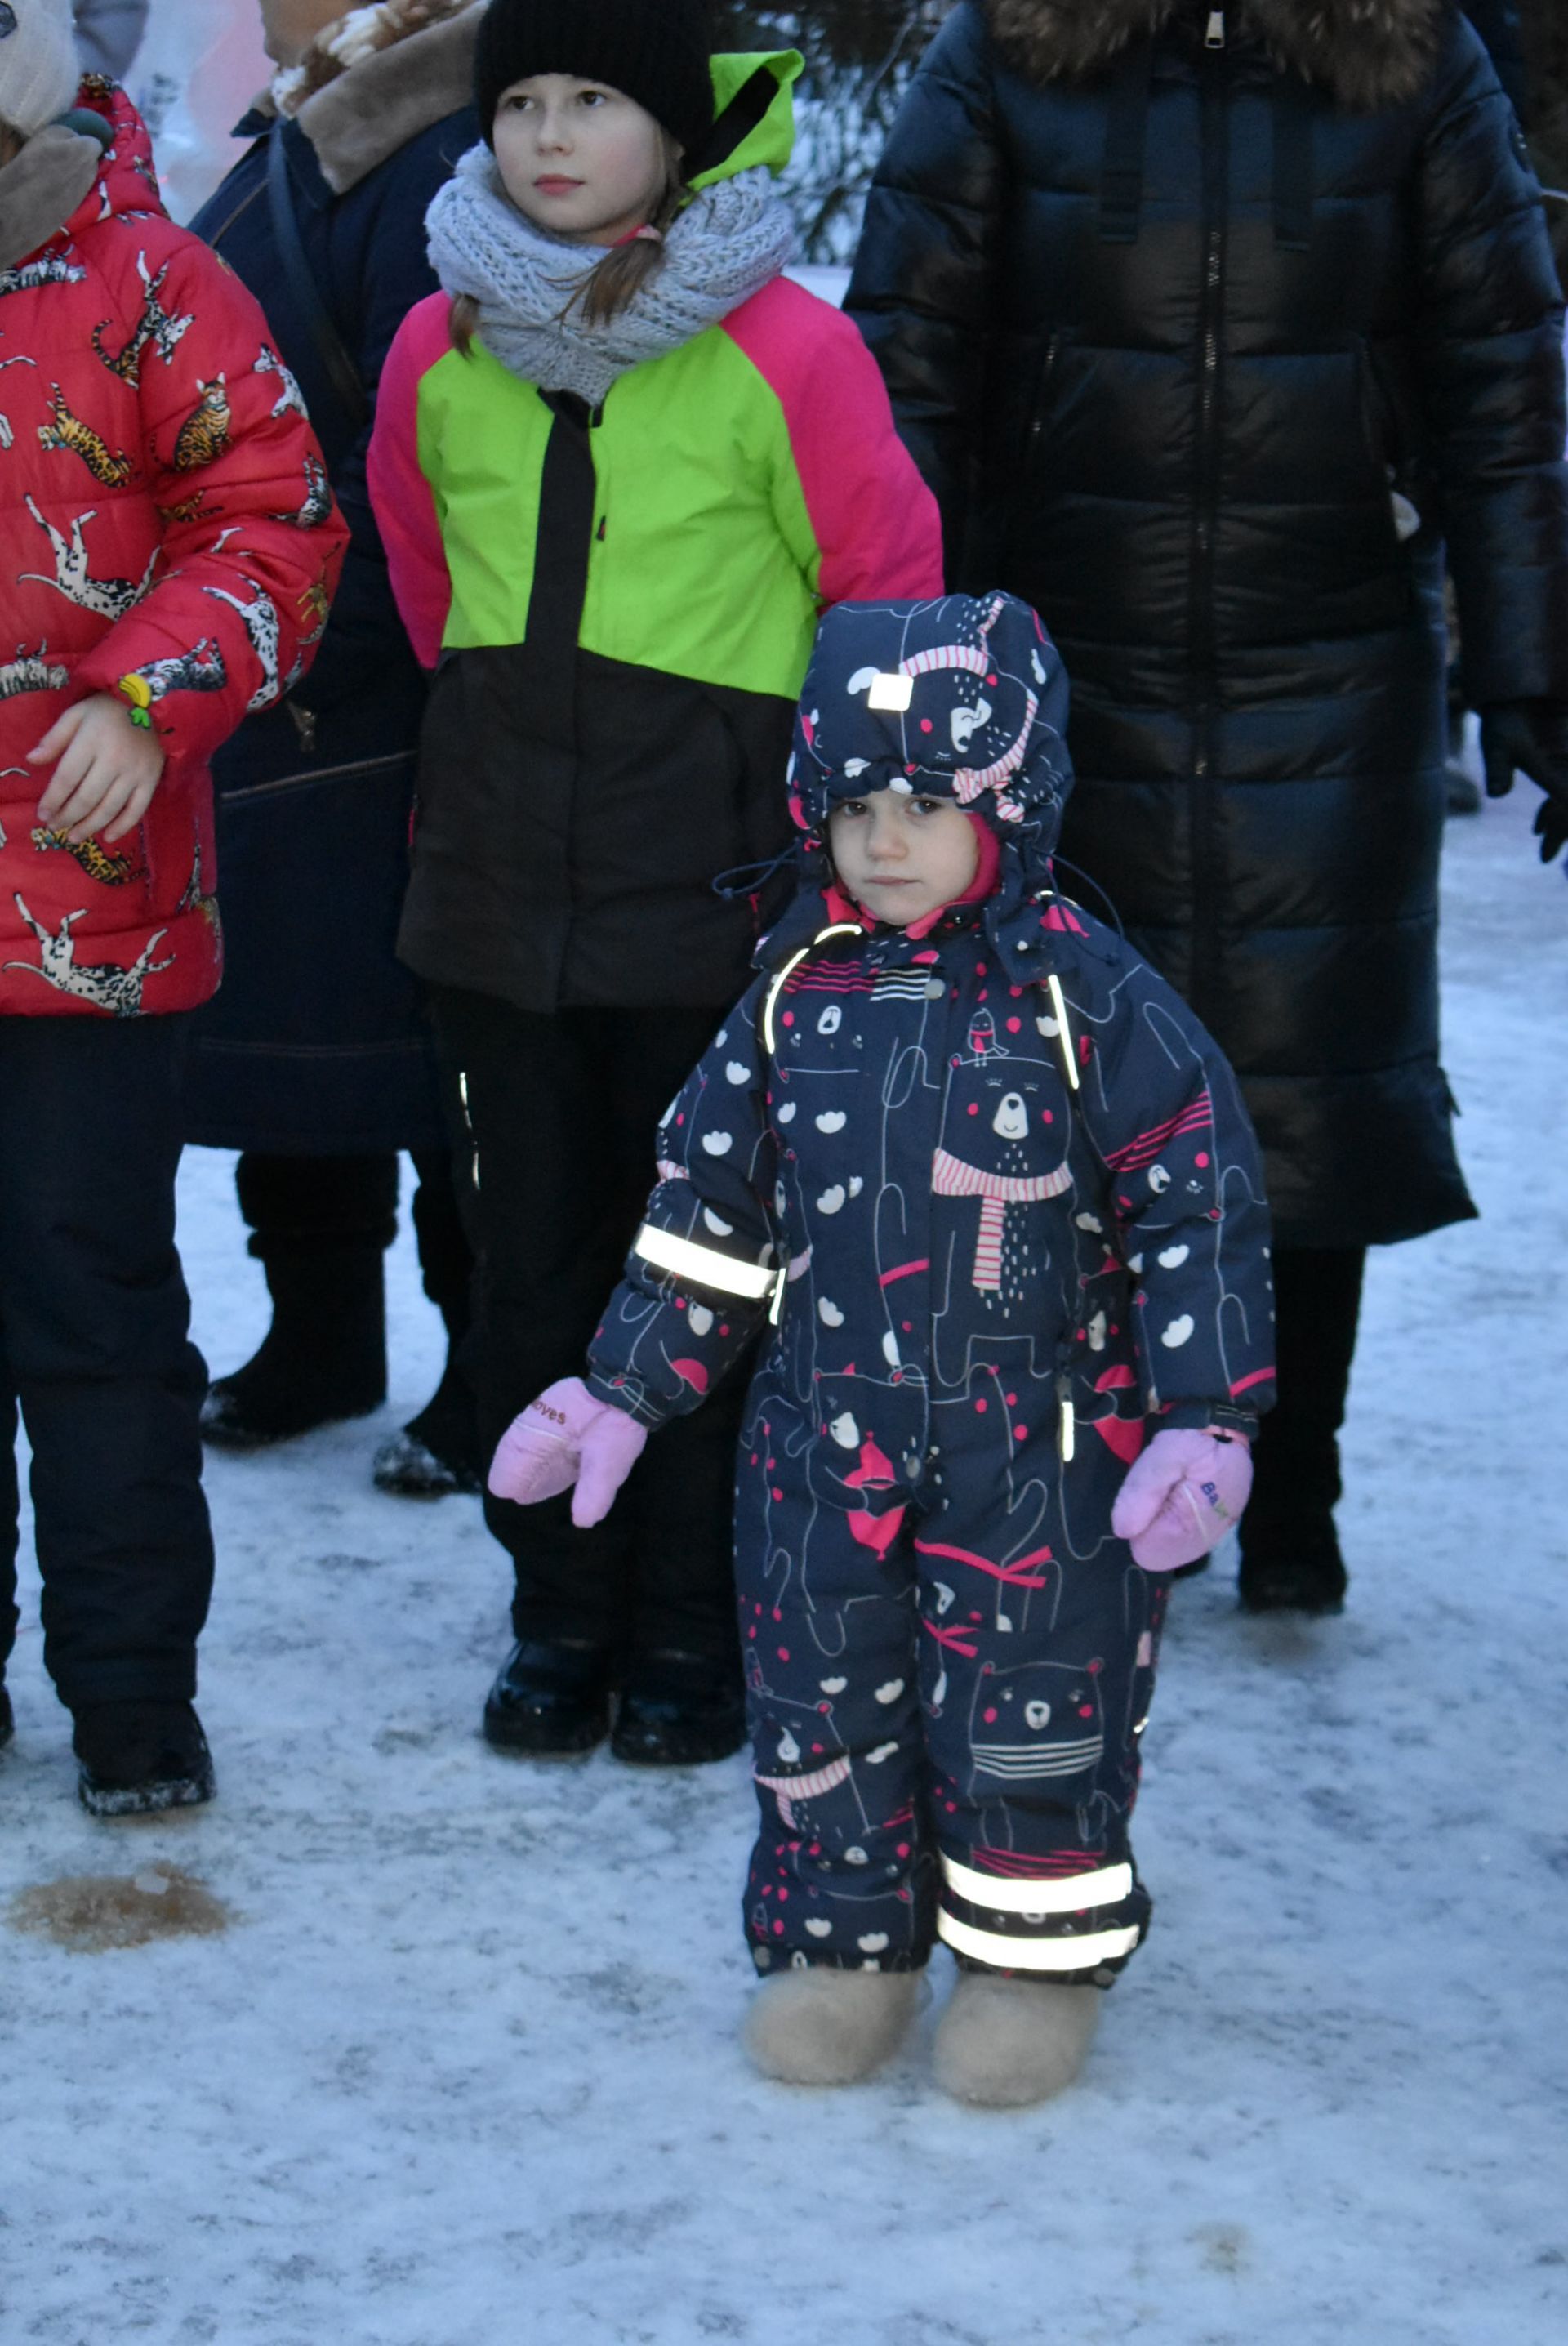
(1296, 1458)
(94, 1348)
(561, 1112)
(945, 1746)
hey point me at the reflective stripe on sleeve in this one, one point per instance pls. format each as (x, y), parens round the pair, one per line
(704, 1264)
(1081, 1952)
(1106, 1886)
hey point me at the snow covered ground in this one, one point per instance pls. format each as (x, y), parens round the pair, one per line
(461, 2069)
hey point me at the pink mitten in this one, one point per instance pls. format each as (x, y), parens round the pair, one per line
(1181, 1496)
(566, 1437)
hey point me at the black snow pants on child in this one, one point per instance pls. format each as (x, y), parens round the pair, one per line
(557, 1115)
(94, 1348)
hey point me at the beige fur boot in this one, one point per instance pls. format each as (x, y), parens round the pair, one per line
(1004, 2043)
(823, 2026)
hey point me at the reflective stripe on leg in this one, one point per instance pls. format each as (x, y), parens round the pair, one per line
(1077, 1952)
(1073, 1893)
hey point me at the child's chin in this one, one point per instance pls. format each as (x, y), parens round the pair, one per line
(893, 907)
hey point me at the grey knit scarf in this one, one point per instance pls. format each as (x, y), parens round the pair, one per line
(730, 240)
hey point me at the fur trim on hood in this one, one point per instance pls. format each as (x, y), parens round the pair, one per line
(1368, 53)
(376, 78)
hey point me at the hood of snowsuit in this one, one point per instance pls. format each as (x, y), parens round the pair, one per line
(965, 699)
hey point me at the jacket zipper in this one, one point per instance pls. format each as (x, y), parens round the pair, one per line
(1042, 392)
(1214, 106)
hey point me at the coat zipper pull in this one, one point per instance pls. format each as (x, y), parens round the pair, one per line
(1213, 33)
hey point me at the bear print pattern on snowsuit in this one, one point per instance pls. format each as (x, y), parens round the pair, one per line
(994, 1182)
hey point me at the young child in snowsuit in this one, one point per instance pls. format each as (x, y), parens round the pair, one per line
(170, 551)
(991, 1184)
(619, 467)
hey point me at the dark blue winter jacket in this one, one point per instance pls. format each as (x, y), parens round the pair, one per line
(993, 1181)
(318, 1042)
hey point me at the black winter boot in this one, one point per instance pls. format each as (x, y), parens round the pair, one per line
(7, 1718)
(438, 1452)
(551, 1698)
(678, 1710)
(1290, 1560)
(1305, 1574)
(137, 1758)
(323, 1358)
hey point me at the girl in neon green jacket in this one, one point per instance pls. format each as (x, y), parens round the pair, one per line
(621, 464)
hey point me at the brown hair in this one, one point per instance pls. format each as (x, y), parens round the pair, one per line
(613, 284)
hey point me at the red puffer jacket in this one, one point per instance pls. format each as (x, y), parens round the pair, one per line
(170, 535)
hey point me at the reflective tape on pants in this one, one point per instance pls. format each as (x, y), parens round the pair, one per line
(704, 1264)
(1004, 1953)
(1106, 1886)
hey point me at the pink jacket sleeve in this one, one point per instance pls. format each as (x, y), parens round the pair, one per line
(874, 522)
(404, 500)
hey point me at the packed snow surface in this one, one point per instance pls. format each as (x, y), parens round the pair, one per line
(462, 2071)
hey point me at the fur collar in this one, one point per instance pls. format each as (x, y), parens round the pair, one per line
(1367, 53)
(41, 188)
(388, 96)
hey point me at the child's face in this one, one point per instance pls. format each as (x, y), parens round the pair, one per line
(901, 857)
(579, 158)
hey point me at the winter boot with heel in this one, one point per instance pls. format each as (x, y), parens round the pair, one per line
(323, 1358)
(824, 2026)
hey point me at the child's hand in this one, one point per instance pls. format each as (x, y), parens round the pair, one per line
(1181, 1496)
(566, 1437)
(105, 770)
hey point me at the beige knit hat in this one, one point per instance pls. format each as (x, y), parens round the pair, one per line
(39, 74)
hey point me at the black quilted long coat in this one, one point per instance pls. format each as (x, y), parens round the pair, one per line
(1207, 327)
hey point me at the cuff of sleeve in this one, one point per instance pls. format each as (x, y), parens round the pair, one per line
(633, 1399)
(1223, 1416)
(133, 691)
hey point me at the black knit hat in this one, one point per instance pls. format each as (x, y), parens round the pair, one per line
(655, 51)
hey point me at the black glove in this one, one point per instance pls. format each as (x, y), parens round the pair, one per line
(1532, 736)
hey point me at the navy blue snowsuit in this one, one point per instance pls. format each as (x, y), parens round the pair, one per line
(996, 1186)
